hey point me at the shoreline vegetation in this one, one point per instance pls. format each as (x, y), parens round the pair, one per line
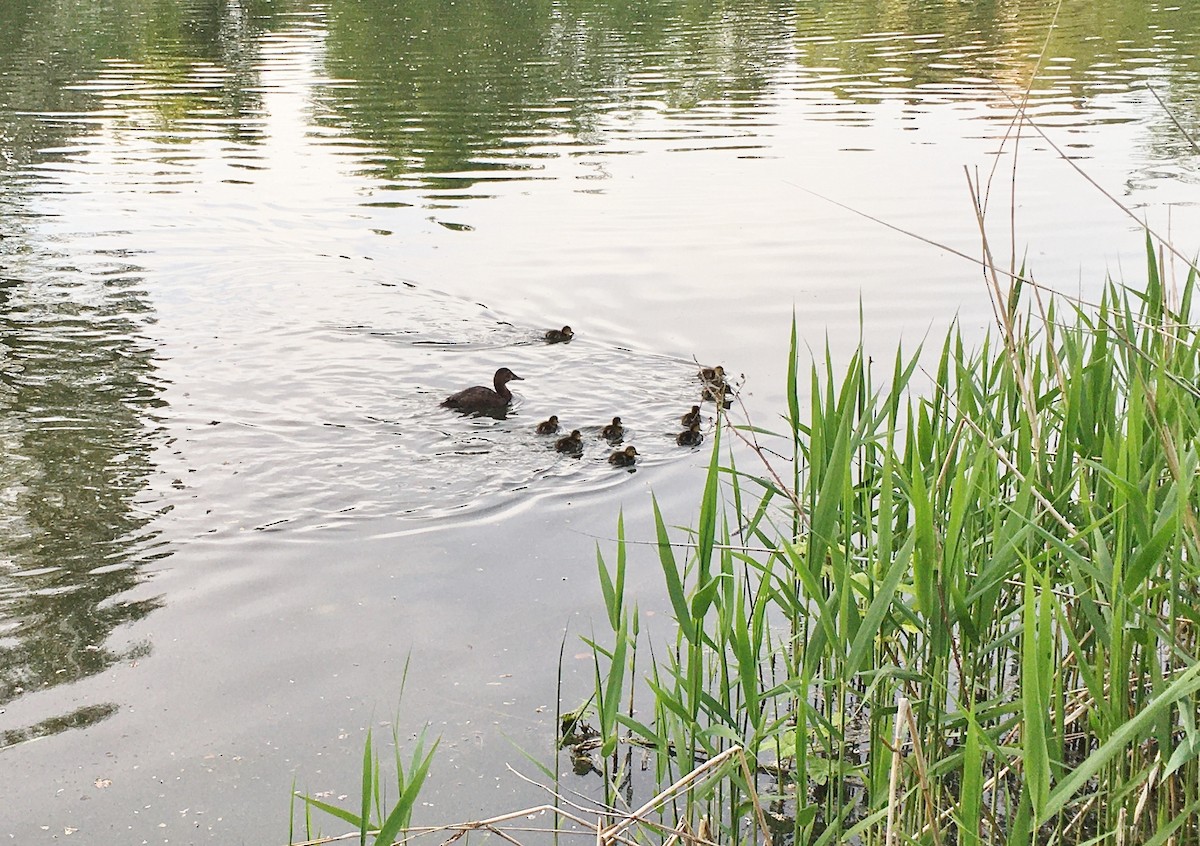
(963, 614)
(956, 613)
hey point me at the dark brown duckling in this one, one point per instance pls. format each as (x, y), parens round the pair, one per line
(572, 443)
(692, 437)
(559, 336)
(691, 417)
(484, 399)
(623, 457)
(714, 388)
(548, 427)
(712, 374)
(614, 431)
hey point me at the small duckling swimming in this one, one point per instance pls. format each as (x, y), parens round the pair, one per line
(712, 374)
(559, 336)
(691, 417)
(481, 399)
(714, 388)
(572, 443)
(623, 457)
(614, 431)
(692, 437)
(548, 427)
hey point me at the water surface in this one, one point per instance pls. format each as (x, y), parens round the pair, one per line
(248, 247)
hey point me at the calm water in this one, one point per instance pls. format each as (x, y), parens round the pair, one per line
(246, 248)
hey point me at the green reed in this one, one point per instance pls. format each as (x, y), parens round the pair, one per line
(379, 818)
(965, 613)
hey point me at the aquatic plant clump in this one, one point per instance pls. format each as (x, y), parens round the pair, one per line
(958, 615)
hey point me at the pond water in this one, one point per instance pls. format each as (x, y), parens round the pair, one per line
(247, 247)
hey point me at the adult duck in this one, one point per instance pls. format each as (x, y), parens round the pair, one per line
(481, 399)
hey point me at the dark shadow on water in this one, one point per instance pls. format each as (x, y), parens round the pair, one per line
(84, 717)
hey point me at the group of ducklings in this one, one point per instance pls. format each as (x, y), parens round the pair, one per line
(713, 387)
(479, 399)
(572, 444)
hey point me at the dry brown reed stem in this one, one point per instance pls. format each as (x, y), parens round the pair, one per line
(612, 833)
(946, 248)
(681, 830)
(1004, 318)
(1015, 125)
(758, 811)
(663, 795)
(941, 479)
(923, 778)
(1053, 353)
(1151, 780)
(1045, 503)
(460, 829)
(1178, 125)
(760, 451)
(1142, 224)
(900, 726)
(1077, 820)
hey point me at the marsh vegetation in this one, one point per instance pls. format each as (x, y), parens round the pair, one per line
(955, 612)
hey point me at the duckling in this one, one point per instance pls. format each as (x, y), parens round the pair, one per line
(548, 427)
(691, 417)
(572, 443)
(623, 457)
(559, 336)
(692, 437)
(614, 431)
(481, 399)
(714, 388)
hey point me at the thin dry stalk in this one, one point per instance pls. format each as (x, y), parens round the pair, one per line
(664, 795)
(1004, 318)
(1142, 224)
(923, 778)
(681, 830)
(758, 811)
(605, 835)
(1174, 120)
(903, 712)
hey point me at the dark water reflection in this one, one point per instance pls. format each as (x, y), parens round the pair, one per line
(79, 396)
(459, 94)
(247, 247)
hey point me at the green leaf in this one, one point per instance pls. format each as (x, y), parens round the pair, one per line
(885, 592)
(672, 576)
